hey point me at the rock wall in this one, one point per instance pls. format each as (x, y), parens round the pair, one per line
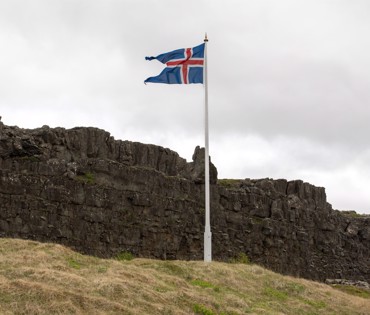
(81, 188)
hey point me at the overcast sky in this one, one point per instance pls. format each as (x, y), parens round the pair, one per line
(289, 81)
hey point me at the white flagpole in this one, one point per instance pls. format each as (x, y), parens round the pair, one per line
(207, 227)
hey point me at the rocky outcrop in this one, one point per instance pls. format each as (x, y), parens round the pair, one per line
(82, 188)
(290, 226)
(359, 284)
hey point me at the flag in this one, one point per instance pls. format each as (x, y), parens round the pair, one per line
(183, 66)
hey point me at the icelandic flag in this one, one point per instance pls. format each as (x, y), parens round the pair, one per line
(183, 66)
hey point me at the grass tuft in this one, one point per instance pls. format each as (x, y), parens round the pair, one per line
(229, 183)
(241, 258)
(124, 256)
(202, 310)
(73, 263)
(204, 284)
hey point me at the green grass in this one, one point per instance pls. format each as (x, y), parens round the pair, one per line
(241, 258)
(124, 256)
(353, 290)
(37, 278)
(352, 214)
(275, 294)
(202, 310)
(173, 269)
(73, 263)
(204, 284)
(229, 183)
(315, 304)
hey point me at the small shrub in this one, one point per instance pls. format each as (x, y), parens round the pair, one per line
(87, 178)
(124, 256)
(241, 258)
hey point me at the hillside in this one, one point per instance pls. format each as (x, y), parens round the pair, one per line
(44, 278)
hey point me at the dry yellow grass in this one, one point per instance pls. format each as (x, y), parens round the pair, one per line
(38, 278)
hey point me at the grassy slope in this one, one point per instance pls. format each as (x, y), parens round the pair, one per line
(38, 278)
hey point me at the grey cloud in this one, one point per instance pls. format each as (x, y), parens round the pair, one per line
(288, 80)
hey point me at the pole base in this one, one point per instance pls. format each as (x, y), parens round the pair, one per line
(207, 246)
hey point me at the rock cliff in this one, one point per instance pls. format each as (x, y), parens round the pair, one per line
(82, 188)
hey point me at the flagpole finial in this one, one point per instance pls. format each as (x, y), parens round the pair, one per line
(206, 38)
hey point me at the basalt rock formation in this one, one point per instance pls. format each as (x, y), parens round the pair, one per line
(82, 188)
